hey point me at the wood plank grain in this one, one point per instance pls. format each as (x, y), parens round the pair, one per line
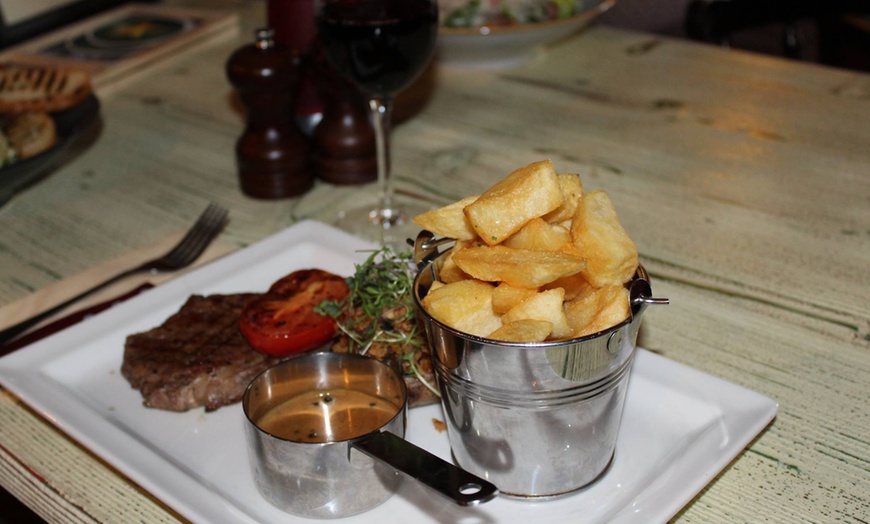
(745, 181)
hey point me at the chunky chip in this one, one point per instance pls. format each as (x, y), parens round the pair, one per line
(574, 285)
(572, 192)
(597, 310)
(506, 296)
(518, 267)
(539, 235)
(611, 254)
(465, 305)
(449, 271)
(449, 221)
(529, 192)
(526, 330)
(536, 259)
(546, 305)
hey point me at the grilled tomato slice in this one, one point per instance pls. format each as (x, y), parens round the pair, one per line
(283, 322)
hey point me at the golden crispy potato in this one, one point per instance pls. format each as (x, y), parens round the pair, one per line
(449, 221)
(598, 234)
(598, 310)
(559, 257)
(539, 235)
(529, 192)
(465, 306)
(506, 296)
(572, 192)
(546, 305)
(580, 312)
(449, 271)
(574, 285)
(526, 330)
(518, 267)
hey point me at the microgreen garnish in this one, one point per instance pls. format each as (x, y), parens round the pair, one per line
(416, 372)
(383, 282)
(379, 300)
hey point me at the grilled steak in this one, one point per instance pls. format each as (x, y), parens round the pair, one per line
(196, 358)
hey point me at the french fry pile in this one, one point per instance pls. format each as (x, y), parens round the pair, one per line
(535, 259)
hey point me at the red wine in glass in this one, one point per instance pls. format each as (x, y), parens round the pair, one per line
(382, 46)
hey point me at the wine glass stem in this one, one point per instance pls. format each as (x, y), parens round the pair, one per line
(385, 215)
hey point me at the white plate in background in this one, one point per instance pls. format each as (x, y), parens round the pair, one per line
(496, 47)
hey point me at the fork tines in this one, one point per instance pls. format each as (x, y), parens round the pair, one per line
(209, 224)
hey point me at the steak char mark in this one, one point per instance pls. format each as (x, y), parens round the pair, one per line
(196, 358)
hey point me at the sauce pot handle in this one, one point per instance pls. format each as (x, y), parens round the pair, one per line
(446, 479)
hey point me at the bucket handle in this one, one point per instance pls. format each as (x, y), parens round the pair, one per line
(426, 247)
(640, 293)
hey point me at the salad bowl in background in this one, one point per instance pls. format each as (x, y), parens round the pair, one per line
(503, 33)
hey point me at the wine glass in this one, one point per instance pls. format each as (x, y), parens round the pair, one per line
(382, 46)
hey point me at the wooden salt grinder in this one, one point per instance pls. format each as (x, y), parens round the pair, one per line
(272, 154)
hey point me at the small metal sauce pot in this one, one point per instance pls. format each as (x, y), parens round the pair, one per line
(343, 471)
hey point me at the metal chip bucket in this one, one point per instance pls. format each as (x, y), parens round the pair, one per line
(539, 420)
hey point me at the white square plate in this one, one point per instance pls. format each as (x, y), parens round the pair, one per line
(680, 426)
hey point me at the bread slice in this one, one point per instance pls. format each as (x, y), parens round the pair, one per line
(41, 89)
(30, 133)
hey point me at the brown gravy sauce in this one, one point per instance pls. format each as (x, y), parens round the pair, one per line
(327, 416)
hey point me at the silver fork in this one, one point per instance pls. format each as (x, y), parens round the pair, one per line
(210, 223)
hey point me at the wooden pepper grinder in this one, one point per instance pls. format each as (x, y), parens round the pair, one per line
(272, 154)
(344, 140)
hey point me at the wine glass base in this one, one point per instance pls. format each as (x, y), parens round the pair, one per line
(388, 218)
(385, 227)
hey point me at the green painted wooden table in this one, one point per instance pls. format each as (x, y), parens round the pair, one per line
(745, 181)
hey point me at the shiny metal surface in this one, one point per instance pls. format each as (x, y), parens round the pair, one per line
(539, 420)
(354, 472)
(320, 480)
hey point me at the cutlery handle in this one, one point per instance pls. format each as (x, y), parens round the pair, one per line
(68, 320)
(14, 330)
